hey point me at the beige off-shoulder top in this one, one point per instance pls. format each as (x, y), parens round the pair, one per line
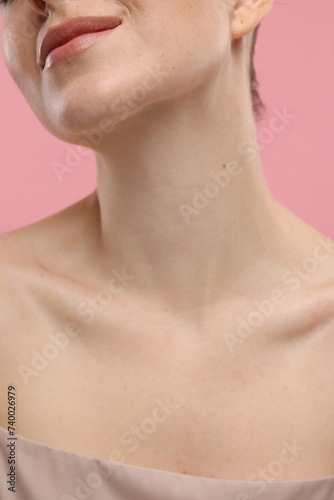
(43, 472)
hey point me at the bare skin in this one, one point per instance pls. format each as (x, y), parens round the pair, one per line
(159, 307)
(233, 405)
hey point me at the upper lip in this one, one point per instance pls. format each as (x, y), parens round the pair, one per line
(70, 28)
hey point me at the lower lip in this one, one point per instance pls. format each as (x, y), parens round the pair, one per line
(74, 47)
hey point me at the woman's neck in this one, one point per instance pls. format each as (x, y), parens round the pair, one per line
(183, 205)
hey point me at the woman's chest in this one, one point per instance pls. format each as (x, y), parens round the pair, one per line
(181, 406)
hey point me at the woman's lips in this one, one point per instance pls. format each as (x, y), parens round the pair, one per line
(74, 27)
(74, 47)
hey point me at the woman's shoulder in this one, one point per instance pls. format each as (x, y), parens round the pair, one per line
(43, 240)
(10, 280)
(36, 255)
(17, 254)
(21, 263)
(17, 265)
(21, 290)
(11, 253)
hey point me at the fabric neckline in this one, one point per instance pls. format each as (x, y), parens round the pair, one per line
(133, 467)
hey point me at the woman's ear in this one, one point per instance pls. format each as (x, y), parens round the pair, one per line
(247, 15)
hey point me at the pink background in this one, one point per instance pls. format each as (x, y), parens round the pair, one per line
(295, 57)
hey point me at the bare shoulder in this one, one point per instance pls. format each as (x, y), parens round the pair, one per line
(11, 252)
(23, 253)
(50, 242)
(26, 254)
(19, 254)
(10, 272)
(320, 266)
(317, 275)
(16, 263)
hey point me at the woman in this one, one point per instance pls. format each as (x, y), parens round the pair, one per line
(170, 335)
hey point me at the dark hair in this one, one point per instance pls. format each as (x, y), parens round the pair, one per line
(258, 105)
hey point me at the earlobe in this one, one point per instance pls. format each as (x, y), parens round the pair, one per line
(247, 15)
(245, 19)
